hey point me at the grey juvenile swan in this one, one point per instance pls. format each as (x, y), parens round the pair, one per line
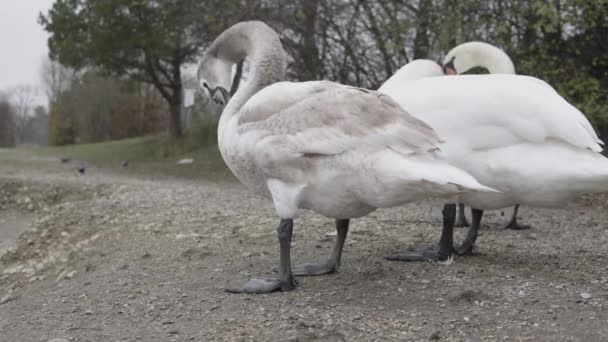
(337, 150)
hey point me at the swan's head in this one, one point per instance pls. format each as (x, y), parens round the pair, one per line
(477, 54)
(215, 68)
(252, 41)
(214, 78)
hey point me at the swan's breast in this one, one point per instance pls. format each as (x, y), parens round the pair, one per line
(239, 155)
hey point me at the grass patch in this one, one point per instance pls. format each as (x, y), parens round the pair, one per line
(154, 154)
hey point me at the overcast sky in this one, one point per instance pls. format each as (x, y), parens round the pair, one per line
(22, 41)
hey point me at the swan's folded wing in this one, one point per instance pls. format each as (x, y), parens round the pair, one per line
(279, 96)
(494, 111)
(335, 121)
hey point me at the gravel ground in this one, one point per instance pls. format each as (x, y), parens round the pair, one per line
(125, 257)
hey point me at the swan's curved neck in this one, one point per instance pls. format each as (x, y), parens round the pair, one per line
(495, 63)
(260, 45)
(477, 54)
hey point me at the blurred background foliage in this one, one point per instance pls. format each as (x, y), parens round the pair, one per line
(120, 68)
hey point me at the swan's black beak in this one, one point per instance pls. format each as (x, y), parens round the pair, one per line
(225, 95)
(221, 100)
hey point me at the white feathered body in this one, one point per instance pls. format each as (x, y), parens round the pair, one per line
(512, 133)
(339, 151)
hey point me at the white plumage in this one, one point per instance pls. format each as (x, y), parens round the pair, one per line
(513, 133)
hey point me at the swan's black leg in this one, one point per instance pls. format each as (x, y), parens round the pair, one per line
(446, 241)
(441, 252)
(461, 218)
(332, 264)
(513, 222)
(285, 282)
(466, 248)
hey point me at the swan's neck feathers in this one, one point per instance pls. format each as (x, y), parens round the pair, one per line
(478, 54)
(260, 45)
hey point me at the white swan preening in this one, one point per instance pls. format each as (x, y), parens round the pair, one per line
(461, 59)
(337, 150)
(513, 133)
(477, 54)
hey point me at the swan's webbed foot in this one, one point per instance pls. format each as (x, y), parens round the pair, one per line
(421, 253)
(314, 268)
(446, 249)
(461, 218)
(513, 222)
(466, 249)
(332, 264)
(443, 251)
(516, 226)
(264, 285)
(285, 282)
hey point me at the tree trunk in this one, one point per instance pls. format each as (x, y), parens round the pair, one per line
(451, 25)
(310, 64)
(380, 38)
(421, 41)
(175, 114)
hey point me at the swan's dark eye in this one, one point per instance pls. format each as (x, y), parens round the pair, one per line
(205, 85)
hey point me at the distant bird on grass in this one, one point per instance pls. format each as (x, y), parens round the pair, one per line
(81, 168)
(125, 163)
(65, 160)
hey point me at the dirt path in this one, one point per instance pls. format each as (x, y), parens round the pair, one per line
(11, 225)
(131, 258)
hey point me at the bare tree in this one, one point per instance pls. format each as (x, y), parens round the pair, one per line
(56, 78)
(36, 130)
(6, 122)
(22, 99)
(96, 108)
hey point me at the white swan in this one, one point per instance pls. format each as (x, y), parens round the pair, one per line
(461, 59)
(477, 54)
(337, 150)
(513, 133)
